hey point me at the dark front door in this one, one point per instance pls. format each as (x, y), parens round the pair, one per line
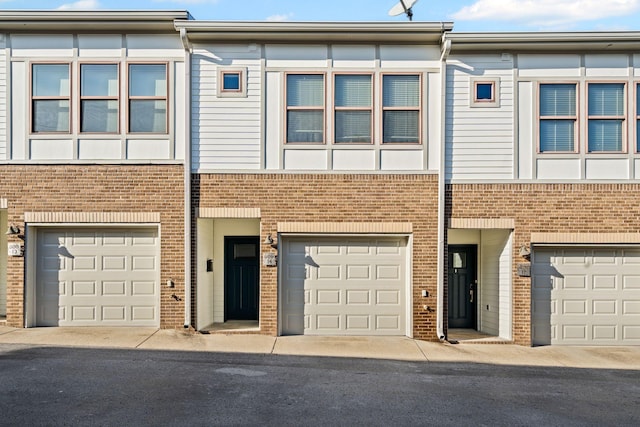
(463, 292)
(241, 272)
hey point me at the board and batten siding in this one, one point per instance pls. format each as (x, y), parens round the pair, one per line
(495, 281)
(479, 141)
(226, 130)
(534, 69)
(75, 49)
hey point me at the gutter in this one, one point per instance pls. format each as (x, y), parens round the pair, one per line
(187, 179)
(446, 49)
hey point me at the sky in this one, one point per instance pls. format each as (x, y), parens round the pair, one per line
(467, 15)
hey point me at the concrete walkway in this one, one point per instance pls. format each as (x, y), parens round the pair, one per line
(392, 348)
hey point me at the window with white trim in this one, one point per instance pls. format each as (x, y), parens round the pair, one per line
(558, 117)
(99, 101)
(50, 98)
(232, 82)
(147, 98)
(638, 118)
(606, 117)
(401, 97)
(485, 92)
(305, 114)
(353, 104)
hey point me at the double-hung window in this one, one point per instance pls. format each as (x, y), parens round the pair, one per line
(401, 96)
(147, 96)
(558, 118)
(606, 105)
(638, 118)
(99, 87)
(353, 108)
(51, 98)
(305, 108)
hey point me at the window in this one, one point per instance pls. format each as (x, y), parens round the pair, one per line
(353, 108)
(606, 117)
(51, 98)
(99, 88)
(232, 82)
(638, 118)
(148, 98)
(401, 108)
(305, 108)
(484, 92)
(557, 118)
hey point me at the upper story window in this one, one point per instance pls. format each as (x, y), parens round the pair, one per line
(638, 118)
(353, 101)
(305, 108)
(232, 82)
(606, 106)
(99, 103)
(148, 98)
(98, 98)
(51, 98)
(401, 96)
(484, 92)
(558, 118)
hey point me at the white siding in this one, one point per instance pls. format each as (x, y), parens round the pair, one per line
(3, 100)
(226, 131)
(479, 141)
(495, 283)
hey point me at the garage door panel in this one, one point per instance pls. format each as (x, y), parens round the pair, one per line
(631, 282)
(349, 282)
(107, 279)
(631, 333)
(596, 299)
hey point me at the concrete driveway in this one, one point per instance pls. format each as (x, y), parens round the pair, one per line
(391, 348)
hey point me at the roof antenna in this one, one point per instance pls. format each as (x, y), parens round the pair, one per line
(403, 7)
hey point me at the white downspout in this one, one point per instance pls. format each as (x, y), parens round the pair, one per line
(446, 48)
(187, 178)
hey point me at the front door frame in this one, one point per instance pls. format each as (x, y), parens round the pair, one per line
(471, 291)
(249, 305)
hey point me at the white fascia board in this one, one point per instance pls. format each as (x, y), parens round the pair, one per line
(299, 32)
(603, 41)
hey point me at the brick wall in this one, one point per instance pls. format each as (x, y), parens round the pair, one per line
(95, 188)
(559, 208)
(335, 198)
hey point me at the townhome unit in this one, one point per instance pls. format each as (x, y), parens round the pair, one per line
(315, 157)
(286, 178)
(542, 166)
(92, 149)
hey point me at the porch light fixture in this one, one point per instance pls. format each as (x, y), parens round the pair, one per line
(269, 241)
(13, 230)
(525, 251)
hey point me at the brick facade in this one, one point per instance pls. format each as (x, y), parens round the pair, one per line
(93, 188)
(558, 208)
(335, 198)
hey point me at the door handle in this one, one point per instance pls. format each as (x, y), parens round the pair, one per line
(471, 295)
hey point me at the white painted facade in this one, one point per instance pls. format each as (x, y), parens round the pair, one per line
(500, 142)
(248, 132)
(74, 146)
(3, 96)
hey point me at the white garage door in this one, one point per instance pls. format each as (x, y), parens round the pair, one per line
(588, 296)
(344, 286)
(97, 277)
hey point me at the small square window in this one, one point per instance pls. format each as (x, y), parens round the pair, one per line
(484, 92)
(232, 82)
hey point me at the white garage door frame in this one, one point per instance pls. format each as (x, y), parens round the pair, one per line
(31, 257)
(575, 289)
(408, 307)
